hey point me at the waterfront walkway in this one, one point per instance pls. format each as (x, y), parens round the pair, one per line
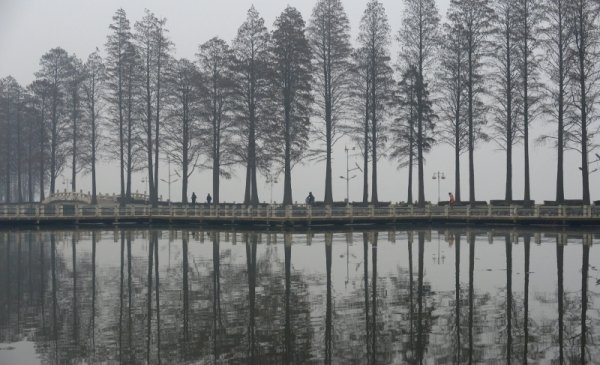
(296, 215)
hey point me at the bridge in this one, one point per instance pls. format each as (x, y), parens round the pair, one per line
(294, 215)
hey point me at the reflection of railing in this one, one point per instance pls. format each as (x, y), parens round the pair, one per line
(300, 213)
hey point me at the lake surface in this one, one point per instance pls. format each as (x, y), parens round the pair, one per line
(432, 296)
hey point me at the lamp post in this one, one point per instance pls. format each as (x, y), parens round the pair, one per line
(170, 178)
(271, 180)
(66, 182)
(348, 170)
(438, 176)
(146, 182)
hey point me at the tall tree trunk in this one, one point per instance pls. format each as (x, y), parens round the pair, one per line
(185, 154)
(157, 130)
(248, 180)
(216, 151)
(42, 137)
(121, 137)
(509, 99)
(30, 167)
(18, 150)
(287, 179)
(457, 166)
(74, 157)
(129, 162)
(420, 139)
(581, 54)
(8, 157)
(527, 193)
(560, 190)
(374, 197)
(252, 163)
(328, 197)
(411, 153)
(54, 136)
(470, 116)
(149, 142)
(366, 151)
(94, 198)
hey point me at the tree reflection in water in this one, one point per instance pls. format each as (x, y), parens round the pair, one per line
(287, 301)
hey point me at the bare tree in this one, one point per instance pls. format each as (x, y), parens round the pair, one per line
(183, 131)
(117, 46)
(163, 47)
(153, 48)
(558, 65)
(11, 94)
(40, 91)
(452, 80)
(359, 127)
(93, 89)
(329, 39)
(508, 106)
(292, 83)
(54, 69)
(215, 60)
(404, 129)
(74, 93)
(529, 18)
(252, 96)
(585, 77)
(419, 38)
(31, 133)
(133, 138)
(475, 18)
(374, 38)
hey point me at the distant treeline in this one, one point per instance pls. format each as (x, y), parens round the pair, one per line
(273, 98)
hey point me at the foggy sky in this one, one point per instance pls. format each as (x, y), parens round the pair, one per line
(29, 28)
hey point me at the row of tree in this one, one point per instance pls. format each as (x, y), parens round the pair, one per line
(485, 74)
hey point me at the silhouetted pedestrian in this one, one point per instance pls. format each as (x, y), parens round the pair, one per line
(194, 199)
(208, 199)
(310, 199)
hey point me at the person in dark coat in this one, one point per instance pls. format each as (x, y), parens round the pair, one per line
(208, 199)
(194, 199)
(310, 199)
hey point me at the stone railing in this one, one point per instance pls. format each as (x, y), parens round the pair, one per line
(82, 210)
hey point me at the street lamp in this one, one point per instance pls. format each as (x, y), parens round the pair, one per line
(271, 180)
(348, 170)
(438, 176)
(66, 182)
(170, 181)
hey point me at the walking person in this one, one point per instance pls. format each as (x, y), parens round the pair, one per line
(451, 200)
(208, 199)
(193, 199)
(310, 199)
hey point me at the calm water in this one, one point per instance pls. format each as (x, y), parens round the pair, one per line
(398, 297)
